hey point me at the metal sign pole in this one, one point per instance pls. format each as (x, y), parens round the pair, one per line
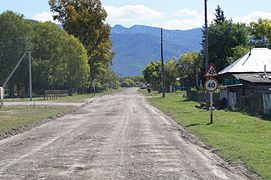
(211, 107)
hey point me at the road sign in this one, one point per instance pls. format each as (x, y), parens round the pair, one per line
(211, 71)
(211, 84)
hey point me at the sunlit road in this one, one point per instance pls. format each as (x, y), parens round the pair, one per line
(116, 136)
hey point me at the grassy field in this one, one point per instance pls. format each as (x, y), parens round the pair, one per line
(18, 116)
(237, 137)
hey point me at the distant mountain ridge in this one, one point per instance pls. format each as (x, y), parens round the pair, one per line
(138, 45)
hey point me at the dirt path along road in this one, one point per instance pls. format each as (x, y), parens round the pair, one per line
(117, 136)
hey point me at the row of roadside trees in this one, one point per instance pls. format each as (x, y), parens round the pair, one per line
(61, 58)
(228, 41)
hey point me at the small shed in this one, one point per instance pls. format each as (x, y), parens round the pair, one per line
(247, 82)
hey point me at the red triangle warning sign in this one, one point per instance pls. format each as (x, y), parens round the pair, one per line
(211, 71)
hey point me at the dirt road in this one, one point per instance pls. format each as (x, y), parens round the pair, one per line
(117, 136)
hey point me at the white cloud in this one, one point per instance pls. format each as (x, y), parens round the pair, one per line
(186, 13)
(252, 17)
(131, 14)
(44, 16)
(184, 24)
(187, 19)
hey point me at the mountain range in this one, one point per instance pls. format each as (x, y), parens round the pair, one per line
(138, 45)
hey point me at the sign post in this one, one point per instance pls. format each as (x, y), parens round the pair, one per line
(211, 85)
(211, 107)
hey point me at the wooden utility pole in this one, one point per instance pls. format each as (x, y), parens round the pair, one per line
(162, 64)
(30, 67)
(206, 37)
(206, 48)
(30, 75)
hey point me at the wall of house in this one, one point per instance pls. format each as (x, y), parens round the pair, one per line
(251, 98)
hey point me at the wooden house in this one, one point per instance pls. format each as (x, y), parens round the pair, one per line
(247, 82)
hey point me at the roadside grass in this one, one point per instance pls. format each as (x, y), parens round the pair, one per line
(236, 136)
(18, 116)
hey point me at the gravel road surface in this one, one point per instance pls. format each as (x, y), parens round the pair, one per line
(116, 136)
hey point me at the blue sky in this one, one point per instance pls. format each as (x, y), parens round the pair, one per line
(170, 14)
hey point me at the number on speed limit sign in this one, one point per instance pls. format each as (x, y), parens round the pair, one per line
(211, 84)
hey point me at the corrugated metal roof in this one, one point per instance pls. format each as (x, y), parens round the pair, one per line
(255, 78)
(252, 62)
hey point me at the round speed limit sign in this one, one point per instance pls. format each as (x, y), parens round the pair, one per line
(211, 84)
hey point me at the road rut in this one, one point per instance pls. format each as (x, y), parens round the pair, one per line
(118, 136)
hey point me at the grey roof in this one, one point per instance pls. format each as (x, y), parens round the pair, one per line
(252, 62)
(255, 78)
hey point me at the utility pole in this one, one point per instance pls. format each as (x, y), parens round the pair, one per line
(162, 64)
(206, 37)
(30, 67)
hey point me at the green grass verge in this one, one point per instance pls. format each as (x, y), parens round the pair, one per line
(237, 137)
(18, 116)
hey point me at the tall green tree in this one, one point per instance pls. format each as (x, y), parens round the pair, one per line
(152, 75)
(261, 31)
(224, 36)
(190, 65)
(219, 15)
(14, 31)
(60, 60)
(85, 19)
(171, 73)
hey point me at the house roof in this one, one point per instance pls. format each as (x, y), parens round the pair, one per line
(255, 78)
(253, 62)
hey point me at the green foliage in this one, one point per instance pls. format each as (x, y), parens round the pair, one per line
(132, 81)
(238, 52)
(127, 83)
(261, 30)
(186, 68)
(219, 16)
(223, 38)
(190, 65)
(152, 75)
(14, 31)
(171, 73)
(106, 79)
(60, 61)
(85, 19)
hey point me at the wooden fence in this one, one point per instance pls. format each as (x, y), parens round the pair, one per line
(55, 94)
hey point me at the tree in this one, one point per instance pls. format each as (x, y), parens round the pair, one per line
(224, 36)
(219, 15)
(190, 65)
(152, 75)
(171, 73)
(85, 19)
(60, 60)
(14, 31)
(127, 82)
(261, 31)
(238, 52)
